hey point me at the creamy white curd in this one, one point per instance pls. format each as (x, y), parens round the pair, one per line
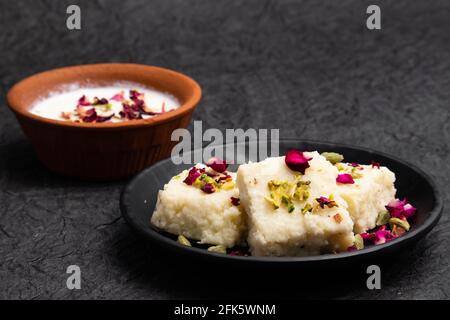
(65, 101)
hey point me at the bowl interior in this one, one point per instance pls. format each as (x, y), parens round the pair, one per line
(139, 197)
(25, 93)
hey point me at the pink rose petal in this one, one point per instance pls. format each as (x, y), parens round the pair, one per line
(208, 188)
(324, 201)
(217, 164)
(235, 201)
(118, 97)
(375, 165)
(345, 178)
(193, 174)
(400, 209)
(297, 161)
(83, 101)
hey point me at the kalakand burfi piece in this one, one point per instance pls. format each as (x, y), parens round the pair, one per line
(203, 205)
(295, 210)
(371, 188)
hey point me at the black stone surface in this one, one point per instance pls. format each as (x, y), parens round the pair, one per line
(310, 68)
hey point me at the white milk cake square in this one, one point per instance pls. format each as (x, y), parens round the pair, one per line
(292, 214)
(210, 218)
(372, 190)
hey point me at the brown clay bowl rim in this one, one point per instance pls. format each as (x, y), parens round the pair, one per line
(12, 97)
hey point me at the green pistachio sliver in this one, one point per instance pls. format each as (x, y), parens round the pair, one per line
(355, 174)
(307, 208)
(301, 193)
(198, 183)
(333, 157)
(184, 241)
(383, 218)
(177, 177)
(359, 242)
(227, 185)
(288, 202)
(218, 249)
(400, 223)
(272, 202)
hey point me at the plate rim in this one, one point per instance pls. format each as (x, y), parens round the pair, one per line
(415, 234)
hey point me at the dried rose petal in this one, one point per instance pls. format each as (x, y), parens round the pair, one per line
(103, 119)
(239, 251)
(193, 174)
(369, 237)
(297, 161)
(354, 164)
(400, 209)
(118, 96)
(98, 101)
(136, 95)
(345, 178)
(375, 165)
(225, 177)
(382, 235)
(90, 116)
(235, 201)
(217, 164)
(352, 248)
(130, 112)
(324, 201)
(83, 101)
(86, 113)
(208, 188)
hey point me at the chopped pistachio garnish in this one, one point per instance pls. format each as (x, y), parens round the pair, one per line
(383, 218)
(301, 192)
(355, 174)
(307, 208)
(184, 241)
(177, 177)
(218, 249)
(340, 166)
(333, 157)
(359, 242)
(286, 200)
(107, 107)
(399, 223)
(275, 204)
(227, 185)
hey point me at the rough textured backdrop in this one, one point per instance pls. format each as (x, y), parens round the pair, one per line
(310, 68)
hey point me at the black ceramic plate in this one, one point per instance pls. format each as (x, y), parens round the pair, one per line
(139, 197)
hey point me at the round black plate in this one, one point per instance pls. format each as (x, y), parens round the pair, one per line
(138, 200)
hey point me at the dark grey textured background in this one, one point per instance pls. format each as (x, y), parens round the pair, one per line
(310, 68)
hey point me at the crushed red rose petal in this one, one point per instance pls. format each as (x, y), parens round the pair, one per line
(83, 101)
(118, 97)
(235, 201)
(193, 174)
(324, 201)
(375, 165)
(297, 161)
(208, 188)
(98, 101)
(345, 178)
(217, 164)
(400, 209)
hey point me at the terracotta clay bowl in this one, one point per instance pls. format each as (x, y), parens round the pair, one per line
(102, 151)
